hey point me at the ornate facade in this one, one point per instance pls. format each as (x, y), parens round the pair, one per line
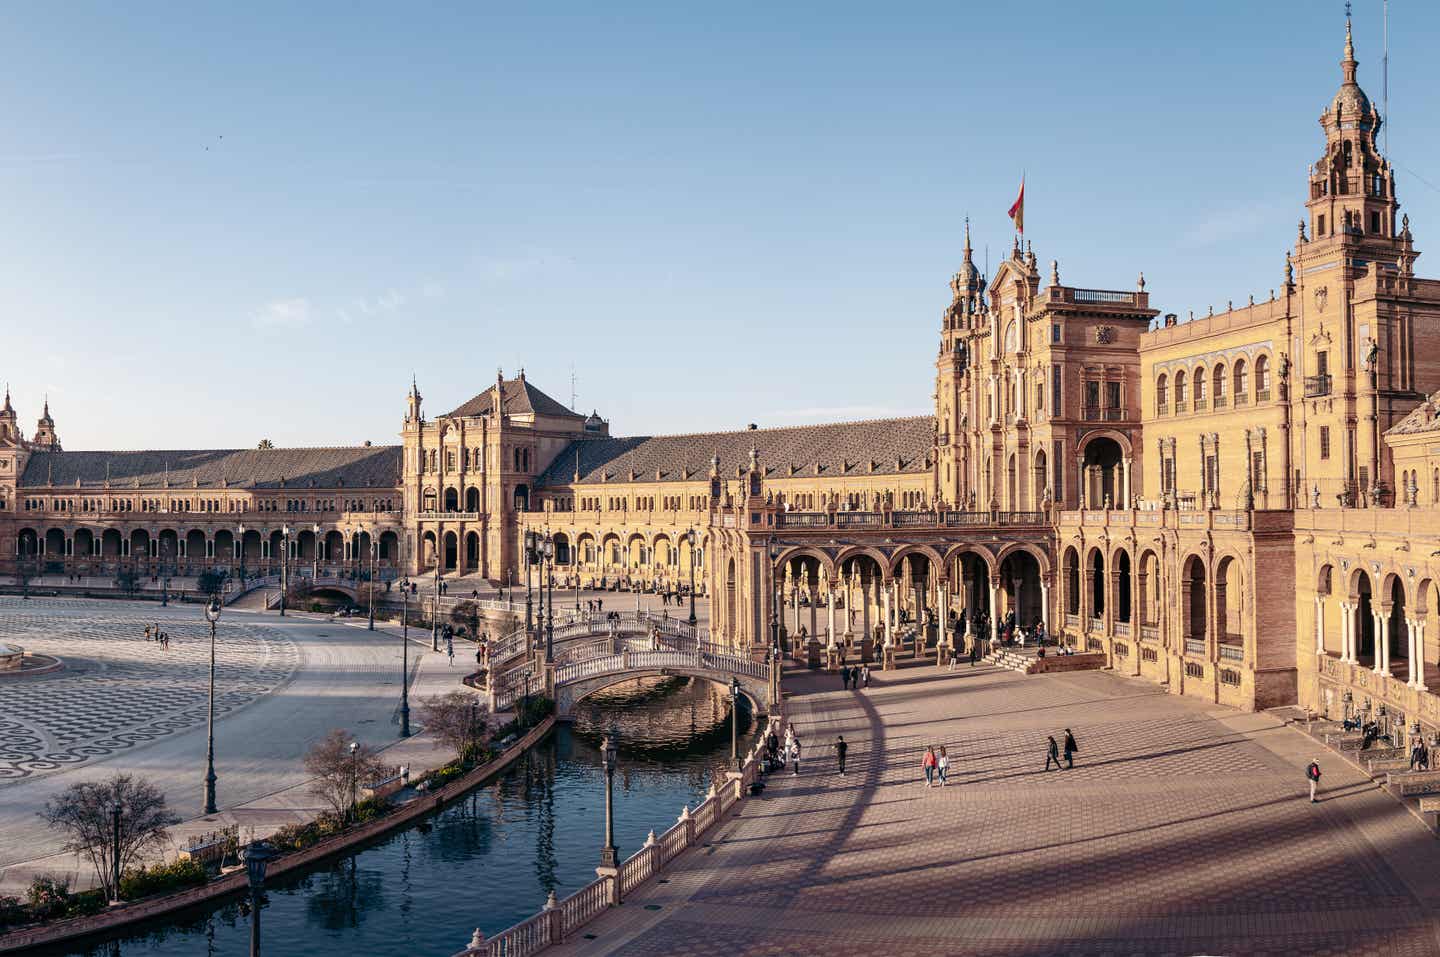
(1183, 498)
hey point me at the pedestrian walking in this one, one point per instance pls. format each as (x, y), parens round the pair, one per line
(795, 755)
(974, 651)
(1053, 754)
(1312, 774)
(845, 677)
(865, 675)
(942, 765)
(450, 649)
(928, 764)
(840, 748)
(147, 632)
(1419, 756)
(1070, 748)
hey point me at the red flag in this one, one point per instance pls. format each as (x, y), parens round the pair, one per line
(1017, 209)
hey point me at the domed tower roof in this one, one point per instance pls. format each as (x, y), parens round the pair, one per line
(1350, 102)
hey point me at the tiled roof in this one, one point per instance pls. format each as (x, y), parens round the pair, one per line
(521, 398)
(1425, 418)
(896, 446)
(367, 467)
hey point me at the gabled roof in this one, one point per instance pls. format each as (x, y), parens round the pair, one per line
(521, 398)
(896, 446)
(365, 467)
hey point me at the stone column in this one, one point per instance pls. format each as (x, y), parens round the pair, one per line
(994, 609)
(885, 589)
(1347, 632)
(1418, 662)
(830, 638)
(1319, 625)
(1410, 651)
(813, 587)
(944, 614)
(867, 643)
(1125, 496)
(795, 603)
(1045, 604)
(1382, 643)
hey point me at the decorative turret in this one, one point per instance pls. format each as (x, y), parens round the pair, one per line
(412, 404)
(9, 423)
(45, 437)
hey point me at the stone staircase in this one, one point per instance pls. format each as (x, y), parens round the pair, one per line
(1015, 659)
(1388, 767)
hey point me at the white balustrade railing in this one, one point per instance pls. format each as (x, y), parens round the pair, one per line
(559, 921)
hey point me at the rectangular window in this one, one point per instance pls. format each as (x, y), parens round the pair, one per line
(1320, 225)
(1375, 223)
(1112, 395)
(1324, 441)
(1092, 395)
(1322, 363)
(1212, 473)
(1257, 471)
(1055, 391)
(1055, 332)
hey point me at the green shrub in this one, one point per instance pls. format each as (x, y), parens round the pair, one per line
(161, 879)
(12, 912)
(47, 895)
(371, 808)
(86, 903)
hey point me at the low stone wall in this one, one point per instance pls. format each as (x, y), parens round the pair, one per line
(234, 883)
(1050, 664)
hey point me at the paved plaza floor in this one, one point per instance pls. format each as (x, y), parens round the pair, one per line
(122, 703)
(1182, 829)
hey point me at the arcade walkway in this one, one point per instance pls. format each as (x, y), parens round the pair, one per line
(1182, 829)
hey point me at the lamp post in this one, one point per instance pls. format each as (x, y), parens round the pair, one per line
(529, 606)
(284, 565)
(525, 701)
(354, 774)
(435, 602)
(405, 658)
(609, 756)
(315, 556)
(212, 615)
(257, 858)
(575, 564)
(735, 723)
(370, 585)
(774, 549)
(240, 529)
(691, 536)
(550, 597)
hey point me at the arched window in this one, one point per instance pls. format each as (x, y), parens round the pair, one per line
(1242, 382)
(1262, 378)
(1218, 381)
(1200, 385)
(1162, 393)
(1179, 389)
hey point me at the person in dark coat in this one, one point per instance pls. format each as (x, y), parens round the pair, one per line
(1053, 754)
(840, 748)
(1070, 748)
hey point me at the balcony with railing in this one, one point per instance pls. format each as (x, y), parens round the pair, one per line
(1201, 404)
(1162, 408)
(1317, 385)
(1241, 399)
(1232, 649)
(1150, 632)
(1262, 395)
(1195, 646)
(1221, 402)
(449, 516)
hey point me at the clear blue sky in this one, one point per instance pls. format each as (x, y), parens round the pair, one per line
(744, 213)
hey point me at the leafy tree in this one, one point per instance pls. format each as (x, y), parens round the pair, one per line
(338, 774)
(265, 444)
(212, 582)
(84, 814)
(127, 581)
(465, 616)
(454, 719)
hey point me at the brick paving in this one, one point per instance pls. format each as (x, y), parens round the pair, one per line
(1182, 829)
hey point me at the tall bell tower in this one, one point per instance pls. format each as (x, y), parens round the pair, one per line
(960, 324)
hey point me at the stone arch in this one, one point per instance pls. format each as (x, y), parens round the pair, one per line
(611, 555)
(452, 551)
(1040, 478)
(167, 548)
(1162, 392)
(928, 553)
(1395, 608)
(1095, 575)
(1042, 560)
(662, 551)
(1200, 383)
(637, 552)
(139, 543)
(1124, 578)
(452, 499)
(570, 693)
(111, 543)
(472, 499)
(55, 545)
(1020, 576)
(84, 540)
(1219, 380)
(1262, 376)
(1193, 603)
(1149, 586)
(586, 549)
(428, 550)
(522, 497)
(1229, 589)
(564, 554)
(472, 550)
(1071, 562)
(1102, 462)
(194, 545)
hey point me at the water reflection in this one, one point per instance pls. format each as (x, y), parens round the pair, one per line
(491, 858)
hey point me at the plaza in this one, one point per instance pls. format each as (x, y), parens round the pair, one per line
(124, 704)
(1181, 829)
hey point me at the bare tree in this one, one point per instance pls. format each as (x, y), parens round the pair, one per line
(454, 719)
(85, 814)
(339, 772)
(465, 616)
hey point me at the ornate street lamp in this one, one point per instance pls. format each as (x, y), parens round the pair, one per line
(550, 597)
(525, 701)
(284, 565)
(609, 757)
(370, 585)
(315, 556)
(691, 536)
(529, 606)
(435, 599)
(354, 775)
(164, 577)
(258, 855)
(774, 549)
(405, 657)
(241, 531)
(212, 615)
(735, 723)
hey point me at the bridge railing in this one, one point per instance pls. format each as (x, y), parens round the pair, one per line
(563, 919)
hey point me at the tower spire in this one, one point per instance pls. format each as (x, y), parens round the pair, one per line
(1349, 64)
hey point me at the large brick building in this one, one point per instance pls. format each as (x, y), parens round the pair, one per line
(1138, 482)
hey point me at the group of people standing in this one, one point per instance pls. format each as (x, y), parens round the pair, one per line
(153, 633)
(1053, 754)
(855, 678)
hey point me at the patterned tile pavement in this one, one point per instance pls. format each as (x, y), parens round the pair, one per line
(117, 690)
(1182, 829)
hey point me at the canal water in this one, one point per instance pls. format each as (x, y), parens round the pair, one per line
(490, 859)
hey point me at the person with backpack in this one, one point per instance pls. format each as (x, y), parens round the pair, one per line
(1312, 774)
(1070, 748)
